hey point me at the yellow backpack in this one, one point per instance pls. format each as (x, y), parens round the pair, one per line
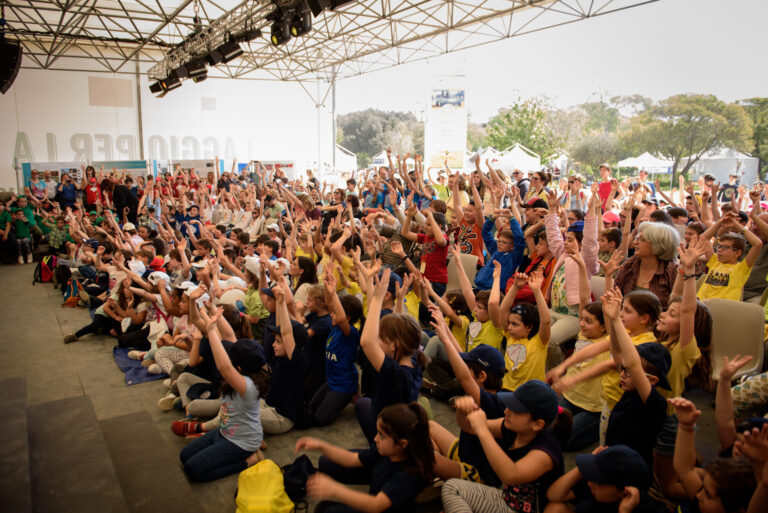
(260, 489)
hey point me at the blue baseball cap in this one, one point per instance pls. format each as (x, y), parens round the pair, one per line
(618, 465)
(488, 358)
(534, 397)
(577, 226)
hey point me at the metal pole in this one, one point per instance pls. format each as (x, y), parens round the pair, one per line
(319, 129)
(333, 123)
(138, 107)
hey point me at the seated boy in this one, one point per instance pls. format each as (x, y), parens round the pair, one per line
(727, 271)
(610, 240)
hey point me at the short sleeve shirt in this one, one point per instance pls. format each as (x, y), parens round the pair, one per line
(524, 359)
(340, 355)
(241, 418)
(391, 479)
(724, 280)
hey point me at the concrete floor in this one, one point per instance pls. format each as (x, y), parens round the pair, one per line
(32, 324)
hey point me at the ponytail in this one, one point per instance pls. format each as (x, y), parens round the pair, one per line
(562, 425)
(409, 422)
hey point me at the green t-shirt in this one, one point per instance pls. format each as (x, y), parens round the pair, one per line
(22, 229)
(5, 218)
(442, 191)
(253, 305)
(45, 228)
(30, 213)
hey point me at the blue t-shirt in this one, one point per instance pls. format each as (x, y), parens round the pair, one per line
(390, 478)
(395, 384)
(241, 418)
(340, 354)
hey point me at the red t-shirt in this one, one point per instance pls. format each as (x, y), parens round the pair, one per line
(604, 190)
(469, 237)
(92, 194)
(435, 257)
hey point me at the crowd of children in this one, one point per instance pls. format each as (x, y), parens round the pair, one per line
(272, 304)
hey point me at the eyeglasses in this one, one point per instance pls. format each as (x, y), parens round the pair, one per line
(724, 247)
(534, 179)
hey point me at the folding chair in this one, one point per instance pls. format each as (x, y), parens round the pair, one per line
(737, 328)
(469, 262)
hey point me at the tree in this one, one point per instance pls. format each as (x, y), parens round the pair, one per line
(368, 132)
(757, 109)
(524, 123)
(596, 148)
(476, 136)
(688, 125)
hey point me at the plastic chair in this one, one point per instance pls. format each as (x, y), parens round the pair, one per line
(469, 262)
(764, 297)
(597, 284)
(737, 328)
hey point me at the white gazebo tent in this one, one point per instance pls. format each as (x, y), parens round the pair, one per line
(724, 161)
(519, 157)
(346, 161)
(649, 163)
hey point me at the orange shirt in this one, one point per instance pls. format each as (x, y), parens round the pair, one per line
(469, 237)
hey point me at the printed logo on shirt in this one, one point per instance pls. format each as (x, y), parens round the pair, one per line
(516, 354)
(717, 279)
(466, 238)
(472, 331)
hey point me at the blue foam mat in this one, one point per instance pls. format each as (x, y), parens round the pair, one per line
(134, 372)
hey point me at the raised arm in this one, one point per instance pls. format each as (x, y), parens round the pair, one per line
(684, 460)
(465, 285)
(223, 364)
(369, 339)
(545, 319)
(284, 321)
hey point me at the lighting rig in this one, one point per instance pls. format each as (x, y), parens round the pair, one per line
(219, 42)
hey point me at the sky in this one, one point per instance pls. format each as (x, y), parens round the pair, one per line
(656, 50)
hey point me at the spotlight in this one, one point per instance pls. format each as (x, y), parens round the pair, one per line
(281, 32)
(230, 51)
(301, 23)
(172, 82)
(248, 35)
(196, 68)
(200, 77)
(155, 87)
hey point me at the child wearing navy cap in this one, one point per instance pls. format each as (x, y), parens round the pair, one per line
(523, 449)
(637, 418)
(611, 479)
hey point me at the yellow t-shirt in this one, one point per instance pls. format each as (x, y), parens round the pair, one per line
(587, 394)
(306, 254)
(724, 280)
(412, 303)
(484, 333)
(612, 390)
(525, 359)
(459, 330)
(683, 360)
(346, 266)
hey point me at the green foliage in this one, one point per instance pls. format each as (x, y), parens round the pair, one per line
(596, 148)
(524, 123)
(364, 159)
(371, 131)
(757, 109)
(688, 125)
(476, 136)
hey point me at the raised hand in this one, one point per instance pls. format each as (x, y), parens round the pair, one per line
(380, 284)
(397, 248)
(496, 270)
(535, 280)
(521, 279)
(612, 264)
(686, 411)
(730, 367)
(611, 303)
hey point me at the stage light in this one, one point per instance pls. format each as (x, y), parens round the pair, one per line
(281, 32)
(230, 51)
(200, 77)
(171, 82)
(196, 68)
(301, 23)
(248, 35)
(155, 87)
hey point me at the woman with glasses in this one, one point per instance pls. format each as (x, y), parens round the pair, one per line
(539, 185)
(574, 197)
(36, 188)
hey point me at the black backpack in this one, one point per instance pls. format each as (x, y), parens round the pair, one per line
(295, 477)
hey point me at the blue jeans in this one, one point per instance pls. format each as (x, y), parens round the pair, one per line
(586, 427)
(211, 457)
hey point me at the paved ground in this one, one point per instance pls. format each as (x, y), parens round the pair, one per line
(32, 324)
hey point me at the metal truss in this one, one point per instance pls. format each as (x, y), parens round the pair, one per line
(357, 38)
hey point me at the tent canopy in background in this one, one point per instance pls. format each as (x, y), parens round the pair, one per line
(723, 161)
(649, 163)
(519, 157)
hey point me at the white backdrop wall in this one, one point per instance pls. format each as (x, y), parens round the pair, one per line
(54, 116)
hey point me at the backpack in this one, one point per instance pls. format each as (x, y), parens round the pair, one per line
(72, 293)
(296, 475)
(44, 270)
(260, 490)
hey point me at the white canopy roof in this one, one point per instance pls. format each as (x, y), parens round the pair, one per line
(647, 162)
(519, 157)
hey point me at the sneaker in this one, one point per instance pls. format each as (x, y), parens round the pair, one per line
(147, 362)
(166, 403)
(21, 259)
(28, 258)
(136, 354)
(167, 383)
(69, 338)
(178, 404)
(155, 369)
(186, 427)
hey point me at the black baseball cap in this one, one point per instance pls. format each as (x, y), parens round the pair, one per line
(247, 354)
(618, 465)
(658, 356)
(488, 358)
(300, 335)
(268, 291)
(534, 397)
(535, 203)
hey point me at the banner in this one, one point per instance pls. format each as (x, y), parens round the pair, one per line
(133, 168)
(56, 169)
(445, 130)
